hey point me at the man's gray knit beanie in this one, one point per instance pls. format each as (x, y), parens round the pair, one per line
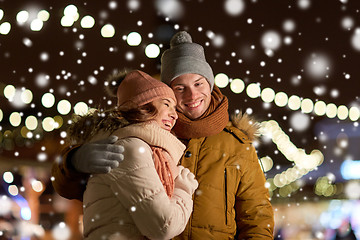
(183, 57)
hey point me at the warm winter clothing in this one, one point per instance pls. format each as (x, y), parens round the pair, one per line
(186, 128)
(231, 198)
(130, 202)
(139, 88)
(140, 199)
(231, 201)
(183, 57)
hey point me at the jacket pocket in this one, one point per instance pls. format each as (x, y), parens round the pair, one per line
(231, 183)
(226, 198)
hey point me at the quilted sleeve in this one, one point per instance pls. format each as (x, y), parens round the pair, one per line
(139, 189)
(66, 181)
(254, 213)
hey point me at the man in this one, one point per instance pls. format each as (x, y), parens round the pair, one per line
(231, 201)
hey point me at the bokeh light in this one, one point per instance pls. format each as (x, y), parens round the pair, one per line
(108, 31)
(25, 213)
(271, 40)
(9, 91)
(320, 108)
(13, 190)
(37, 186)
(294, 102)
(152, 51)
(300, 121)
(67, 21)
(6, 205)
(307, 105)
(31, 122)
(43, 15)
(289, 25)
(268, 95)
(5, 28)
(48, 100)
(15, 119)
(355, 39)
(8, 177)
(347, 23)
(237, 85)
(81, 108)
(318, 66)
(281, 99)
(36, 25)
(22, 16)
(354, 113)
(27, 96)
(71, 10)
(253, 90)
(172, 9)
(221, 80)
(234, 7)
(343, 112)
(64, 107)
(48, 124)
(61, 231)
(87, 22)
(331, 110)
(133, 5)
(133, 39)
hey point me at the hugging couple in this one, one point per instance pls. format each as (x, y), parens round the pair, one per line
(167, 162)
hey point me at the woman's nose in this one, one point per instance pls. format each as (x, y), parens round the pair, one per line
(173, 114)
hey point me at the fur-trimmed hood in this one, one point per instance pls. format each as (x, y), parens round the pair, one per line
(83, 128)
(246, 124)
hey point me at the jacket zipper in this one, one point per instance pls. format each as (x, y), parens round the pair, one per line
(225, 196)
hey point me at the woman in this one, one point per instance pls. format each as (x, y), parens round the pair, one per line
(148, 195)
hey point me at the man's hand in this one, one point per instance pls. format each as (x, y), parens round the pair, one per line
(186, 180)
(98, 157)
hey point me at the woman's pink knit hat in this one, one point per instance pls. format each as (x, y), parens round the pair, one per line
(139, 88)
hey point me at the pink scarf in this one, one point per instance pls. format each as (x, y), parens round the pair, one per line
(163, 169)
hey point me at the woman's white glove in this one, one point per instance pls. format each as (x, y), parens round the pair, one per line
(98, 157)
(186, 180)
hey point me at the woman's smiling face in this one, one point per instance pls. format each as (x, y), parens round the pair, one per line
(166, 113)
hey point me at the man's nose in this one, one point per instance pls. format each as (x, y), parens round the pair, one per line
(191, 93)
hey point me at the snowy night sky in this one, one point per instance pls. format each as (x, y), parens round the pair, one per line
(301, 48)
(293, 65)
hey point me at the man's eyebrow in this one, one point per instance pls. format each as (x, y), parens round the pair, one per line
(197, 80)
(165, 99)
(178, 84)
(201, 78)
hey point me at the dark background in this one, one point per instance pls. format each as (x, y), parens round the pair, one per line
(318, 32)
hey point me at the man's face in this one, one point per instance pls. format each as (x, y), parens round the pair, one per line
(193, 94)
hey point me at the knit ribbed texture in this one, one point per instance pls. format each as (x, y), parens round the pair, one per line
(184, 57)
(212, 122)
(154, 135)
(139, 88)
(162, 166)
(162, 143)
